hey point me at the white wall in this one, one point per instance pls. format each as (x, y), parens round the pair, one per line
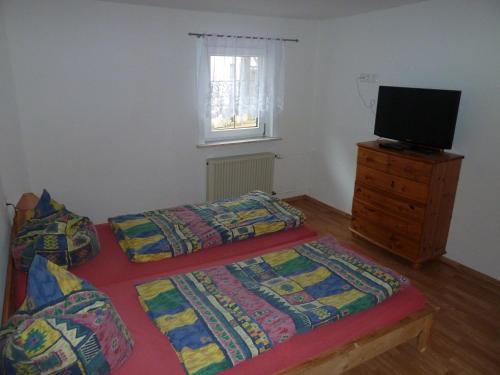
(104, 94)
(106, 97)
(12, 159)
(4, 242)
(13, 173)
(450, 44)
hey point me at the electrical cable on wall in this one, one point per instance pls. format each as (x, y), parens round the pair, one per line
(371, 104)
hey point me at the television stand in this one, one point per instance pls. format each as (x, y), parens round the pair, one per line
(403, 146)
(403, 201)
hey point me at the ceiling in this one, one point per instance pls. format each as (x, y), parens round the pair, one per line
(310, 9)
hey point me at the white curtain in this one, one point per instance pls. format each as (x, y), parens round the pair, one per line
(239, 80)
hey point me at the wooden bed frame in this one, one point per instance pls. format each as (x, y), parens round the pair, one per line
(416, 326)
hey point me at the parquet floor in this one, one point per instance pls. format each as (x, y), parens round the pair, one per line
(466, 334)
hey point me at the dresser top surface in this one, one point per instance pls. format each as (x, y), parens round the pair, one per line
(438, 157)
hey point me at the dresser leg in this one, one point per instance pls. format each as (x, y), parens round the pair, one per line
(416, 266)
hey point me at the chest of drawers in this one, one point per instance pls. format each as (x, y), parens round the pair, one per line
(403, 200)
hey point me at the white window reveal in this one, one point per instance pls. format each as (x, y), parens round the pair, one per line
(240, 87)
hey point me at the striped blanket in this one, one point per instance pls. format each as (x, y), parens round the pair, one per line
(220, 316)
(166, 233)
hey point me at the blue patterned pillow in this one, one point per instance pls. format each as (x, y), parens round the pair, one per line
(57, 234)
(46, 206)
(65, 326)
(49, 283)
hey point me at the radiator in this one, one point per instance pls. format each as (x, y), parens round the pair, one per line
(236, 175)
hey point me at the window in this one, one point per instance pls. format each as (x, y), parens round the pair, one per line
(239, 87)
(234, 88)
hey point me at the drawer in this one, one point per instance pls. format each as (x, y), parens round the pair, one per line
(386, 239)
(408, 168)
(393, 184)
(412, 230)
(409, 211)
(373, 159)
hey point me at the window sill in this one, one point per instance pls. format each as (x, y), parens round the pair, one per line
(237, 142)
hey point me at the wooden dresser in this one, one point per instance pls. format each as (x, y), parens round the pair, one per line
(403, 200)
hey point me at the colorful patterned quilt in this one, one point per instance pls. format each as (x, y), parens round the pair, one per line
(220, 316)
(166, 233)
(55, 233)
(64, 326)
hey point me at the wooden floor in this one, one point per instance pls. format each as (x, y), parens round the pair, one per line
(466, 335)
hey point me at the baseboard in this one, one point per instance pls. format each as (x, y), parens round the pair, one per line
(462, 267)
(306, 197)
(328, 207)
(295, 198)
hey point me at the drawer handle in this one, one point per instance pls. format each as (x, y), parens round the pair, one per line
(392, 184)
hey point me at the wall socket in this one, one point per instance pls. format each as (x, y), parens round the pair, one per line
(368, 77)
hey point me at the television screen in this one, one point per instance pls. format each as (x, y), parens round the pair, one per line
(424, 117)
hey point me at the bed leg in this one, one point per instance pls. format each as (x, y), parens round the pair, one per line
(424, 335)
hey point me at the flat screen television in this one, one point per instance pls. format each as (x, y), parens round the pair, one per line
(417, 117)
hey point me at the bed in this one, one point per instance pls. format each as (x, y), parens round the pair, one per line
(331, 348)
